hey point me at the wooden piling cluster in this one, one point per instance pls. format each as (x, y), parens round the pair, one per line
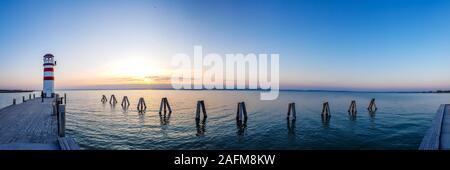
(200, 108)
(141, 107)
(241, 114)
(352, 108)
(104, 99)
(291, 110)
(326, 109)
(164, 106)
(372, 106)
(113, 100)
(125, 102)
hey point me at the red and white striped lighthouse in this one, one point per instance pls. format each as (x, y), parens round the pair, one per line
(49, 79)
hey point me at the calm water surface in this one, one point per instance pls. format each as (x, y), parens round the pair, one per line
(400, 122)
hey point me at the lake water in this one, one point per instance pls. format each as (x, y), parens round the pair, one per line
(400, 122)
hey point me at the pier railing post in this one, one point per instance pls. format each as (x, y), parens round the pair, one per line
(62, 120)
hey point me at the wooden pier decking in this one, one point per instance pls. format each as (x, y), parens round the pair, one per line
(438, 136)
(32, 125)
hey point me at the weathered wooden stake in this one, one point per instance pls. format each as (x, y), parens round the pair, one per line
(62, 120)
(125, 102)
(104, 99)
(291, 126)
(241, 112)
(29, 96)
(65, 98)
(326, 109)
(164, 105)
(113, 100)
(200, 108)
(34, 96)
(372, 106)
(141, 107)
(23, 98)
(352, 108)
(14, 101)
(291, 109)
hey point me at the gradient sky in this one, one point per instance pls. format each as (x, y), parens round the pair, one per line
(336, 45)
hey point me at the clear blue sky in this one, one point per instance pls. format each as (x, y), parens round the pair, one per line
(338, 45)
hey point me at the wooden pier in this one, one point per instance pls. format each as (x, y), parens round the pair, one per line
(33, 125)
(438, 136)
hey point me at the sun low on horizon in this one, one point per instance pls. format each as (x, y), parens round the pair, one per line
(133, 70)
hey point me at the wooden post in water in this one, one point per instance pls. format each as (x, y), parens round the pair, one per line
(200, 108)
(326, 109)
(372, 106)
(352, 108)
(113, 100)
(23, 98)
(168, 105)
(62, 120)
(291, 109)
(141, 107)
(241, 112)
(104, 99)
(34, 96)
(65, 98)
(29, 96)
(164, 105)
(14, 101)
(125, 102)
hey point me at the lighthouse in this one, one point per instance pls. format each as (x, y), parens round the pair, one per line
(49, 79)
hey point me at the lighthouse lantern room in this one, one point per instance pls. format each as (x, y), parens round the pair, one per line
(49, 79)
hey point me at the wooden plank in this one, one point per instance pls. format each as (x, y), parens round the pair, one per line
(432, 138)
(445, 131)
(67, 143)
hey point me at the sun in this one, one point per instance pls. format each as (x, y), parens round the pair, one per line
(136, 70)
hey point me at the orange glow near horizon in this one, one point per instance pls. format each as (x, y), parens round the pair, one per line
(133, 70)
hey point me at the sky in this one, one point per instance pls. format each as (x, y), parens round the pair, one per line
(325, 45)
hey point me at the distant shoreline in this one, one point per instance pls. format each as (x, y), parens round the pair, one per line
(16, 91)
(293, 90)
